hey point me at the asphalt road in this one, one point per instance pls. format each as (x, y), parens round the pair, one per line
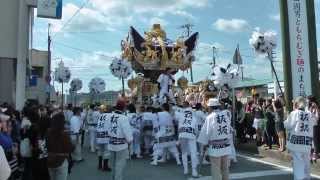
(247, 167)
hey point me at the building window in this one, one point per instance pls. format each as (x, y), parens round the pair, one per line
(37, 71)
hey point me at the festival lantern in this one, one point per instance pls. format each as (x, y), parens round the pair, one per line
(96, 86)
(121, 69)
(62, 75)
(264, 43)
(75, 86)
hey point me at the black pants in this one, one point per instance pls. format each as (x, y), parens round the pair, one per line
(316, 138)
(27, 172)
(270, 136)
(40, 169)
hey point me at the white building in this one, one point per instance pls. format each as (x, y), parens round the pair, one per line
(37, 87)
(16, 20)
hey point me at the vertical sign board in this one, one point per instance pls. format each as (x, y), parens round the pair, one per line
(299, 48)
(49, 9)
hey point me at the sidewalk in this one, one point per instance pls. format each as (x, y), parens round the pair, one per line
(271, 155)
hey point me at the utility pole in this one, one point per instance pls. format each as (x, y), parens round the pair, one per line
(214, 56)
(188, 30)
(49, 64)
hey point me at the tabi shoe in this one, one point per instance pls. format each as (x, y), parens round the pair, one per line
(154, 163)
(195, 173)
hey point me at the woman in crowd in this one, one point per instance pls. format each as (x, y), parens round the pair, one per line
(270, 124)
(279, 118)
(58, 155)
(38, 136)
(312, 106)
(258, 121)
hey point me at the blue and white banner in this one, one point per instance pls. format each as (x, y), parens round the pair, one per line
(50, 9)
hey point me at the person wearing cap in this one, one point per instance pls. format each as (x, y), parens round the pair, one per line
(102, 139)
(120, 137)
(215, 134)
(187, 128)
(299, 125)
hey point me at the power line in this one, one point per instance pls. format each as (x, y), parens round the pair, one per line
(83, 50)
(71, 18)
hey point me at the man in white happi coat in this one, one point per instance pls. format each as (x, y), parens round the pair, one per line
(300, 134)
(215, 133)
(165, 137)
(166, 81)
(102, 140)
(92, 121)
(75, 130)
(135, 121)
(187, 128)
(120, 136)
(201, 116)
(147, 128)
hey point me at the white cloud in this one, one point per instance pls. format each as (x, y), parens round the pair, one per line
(184, 14)
(88, 66)
(231, 25)
(275, 17)
(155, 7)
(87, 19)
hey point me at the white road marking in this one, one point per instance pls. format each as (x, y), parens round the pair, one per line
(283, 170)
(245, 175)
(281, 167)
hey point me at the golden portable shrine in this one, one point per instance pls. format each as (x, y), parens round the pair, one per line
(151, 55)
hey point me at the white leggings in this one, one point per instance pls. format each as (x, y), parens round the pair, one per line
(189, 146)
(159, 151)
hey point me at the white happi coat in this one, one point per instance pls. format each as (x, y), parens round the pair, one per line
(119, 131)
(216, 133)
(147, 119)
(300, 128)
(135, 121)
(201, 118)
(165, 136)
(102, 129)
(165, 81)
(187, 124)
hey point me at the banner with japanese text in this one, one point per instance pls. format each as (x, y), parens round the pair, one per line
(299, 48)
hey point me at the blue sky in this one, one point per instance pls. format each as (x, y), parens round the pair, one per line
(89, 41)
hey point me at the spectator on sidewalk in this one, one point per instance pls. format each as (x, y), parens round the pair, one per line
(5, 170)
(58, 155)
(313, 107)
(279, 126)
(270, 132)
